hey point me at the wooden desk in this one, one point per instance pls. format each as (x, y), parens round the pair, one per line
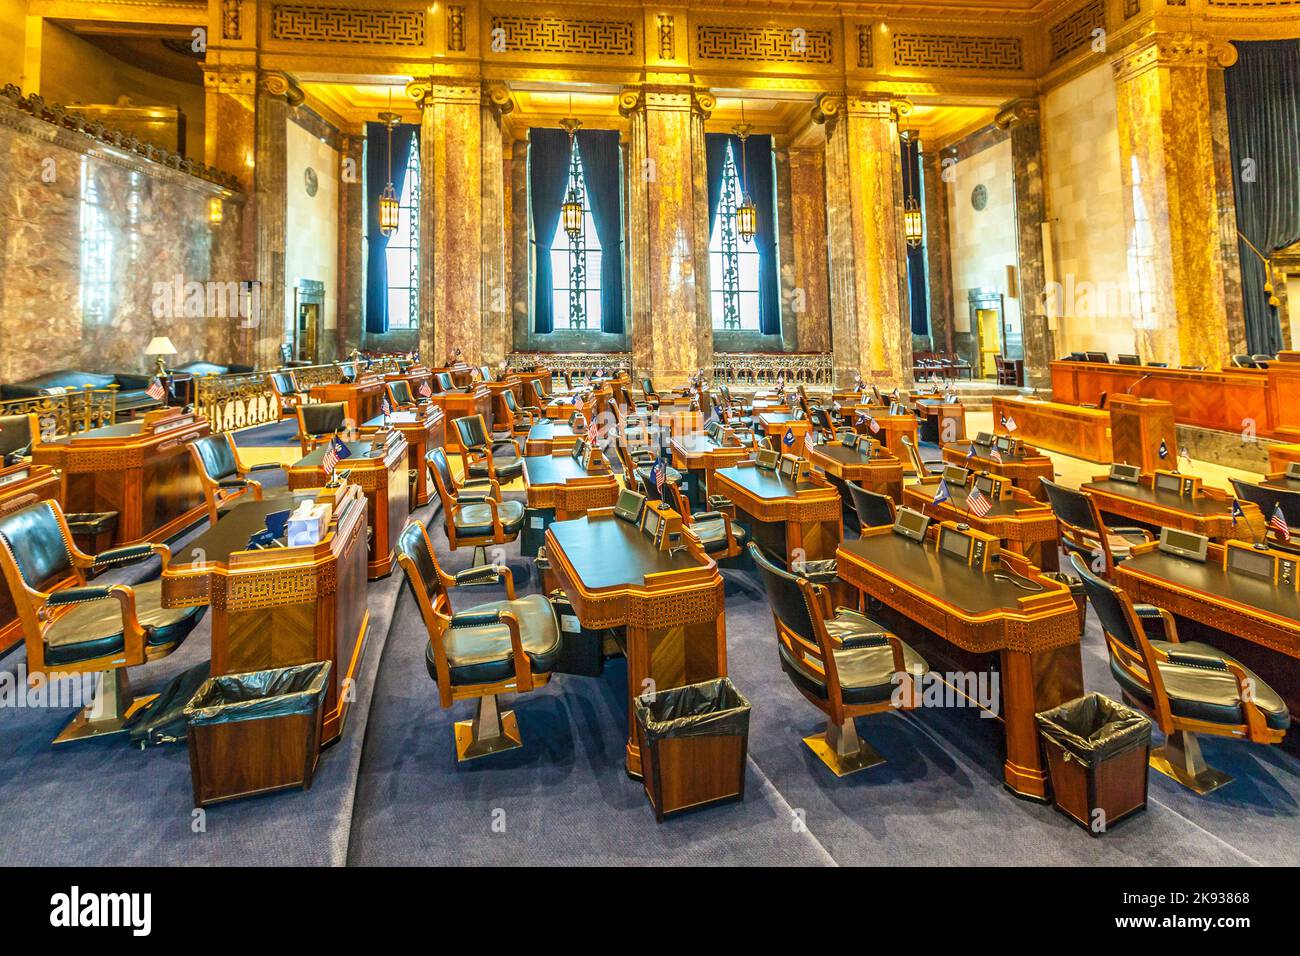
(1210, 514)
(1034, 634)
(1069, 429)
(423, 428)
(549, 436)
(1252, 620)
(700, 456)
(282, 606)
(670, 603)
(1279, 456)
(476, 400)
(1022, 523)
(497, 391)
(361, 397)
(785, 518)
(558, 484)
(676, 421)
(1137, 427)
(142, 469)
(893, 428)
(381, 475)
(941, 421)
(1026, 468)
(776, 424)
(882, 474)
(20, 485)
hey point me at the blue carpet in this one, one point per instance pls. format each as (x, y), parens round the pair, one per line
(272, 435)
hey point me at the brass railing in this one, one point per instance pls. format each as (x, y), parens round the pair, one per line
(764, 368)
(243, 399)
(67, 412)
(580, 363)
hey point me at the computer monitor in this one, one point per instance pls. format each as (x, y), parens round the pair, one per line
(911, 524)
(1293, 471)
(955, 544)
(1252, 563)
(983, 438)
(1130, 474)
(767, 459)
(1184, 544)
(629, 505)
(1167, 482)
(955, 475)
(1005, 444)
(1128, 359)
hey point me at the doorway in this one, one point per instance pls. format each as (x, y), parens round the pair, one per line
(309, 320)
(986, 311)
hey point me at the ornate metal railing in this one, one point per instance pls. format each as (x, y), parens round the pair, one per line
(243, 399)
(581, 363)
(764, 368)
(67, 412)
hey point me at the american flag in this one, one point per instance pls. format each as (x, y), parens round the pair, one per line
(977, 503)
(425, 390)
(333, 454)
(657, 477)
(593, 430)
(385, 407)
(155, 390)
(1277, 521)
(995, 454)
(873, 425)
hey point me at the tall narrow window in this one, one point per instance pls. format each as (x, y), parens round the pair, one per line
(733, 264)
(575, 262)
(96, 251)
(404, 250)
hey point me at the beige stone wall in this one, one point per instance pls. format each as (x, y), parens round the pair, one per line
(1084, 198)
(311, 222)
(983, 242)
(13, 29)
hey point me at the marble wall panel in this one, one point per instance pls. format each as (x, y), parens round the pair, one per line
(806, 263)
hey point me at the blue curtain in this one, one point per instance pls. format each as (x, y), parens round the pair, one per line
(601, 168)
(761, 187)
(917, 291)
(377, 242)
(548, 171)
(1263, 97)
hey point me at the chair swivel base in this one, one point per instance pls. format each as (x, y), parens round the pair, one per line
(109, 713)
(1180, 759)
(841, 749)
(491, 731)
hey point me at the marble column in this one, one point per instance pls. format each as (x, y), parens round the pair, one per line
(1021, 118)
(668, 232)
(495, 294)
(1173, 183)
(270, 207)
(451, 212)
(808, 296)
(938, 251)
(870, 329)
(520, 250)
(352, 227)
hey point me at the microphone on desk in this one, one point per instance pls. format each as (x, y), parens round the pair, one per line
(1129, 390)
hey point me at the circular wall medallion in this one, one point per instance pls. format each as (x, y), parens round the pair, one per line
(979, 197)
(310, 181)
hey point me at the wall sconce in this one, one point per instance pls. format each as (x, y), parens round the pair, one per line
(216, 210)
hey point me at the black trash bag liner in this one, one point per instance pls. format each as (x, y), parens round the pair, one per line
(163, 721)
(257, 695)
(713, 708)
(1094, 727)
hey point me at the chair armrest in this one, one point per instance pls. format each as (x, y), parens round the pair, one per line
(718, 502)
(477, 495)
(523, 669)
(266, 466)
(133, 633)
(486, 574)
(240, 482)
(130, 554)
(1141, 532)
(475, 619)
(80, 595)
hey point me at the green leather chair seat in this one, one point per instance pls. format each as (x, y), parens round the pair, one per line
(1198, 690)
(712, 532)
(508, 468)
(94, 629)
(474, 519)
(483, 655)
(865, 664)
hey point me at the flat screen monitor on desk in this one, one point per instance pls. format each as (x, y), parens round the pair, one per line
(955, 475)
(629, 505)
(911, 524)
(1168, 482)
(1184, 544)
(1130, 474)
(983, 438)
(1252, 563)
(1293, 471)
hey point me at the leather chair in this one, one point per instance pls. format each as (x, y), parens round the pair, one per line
(1083, 531)
(518, 420)
(19, 434)
(285, 388)
(638, 458)
(503, 647)
(480, 458)
(1243, 361)
(443, 383)
(75, 627)
(718, 536)
(922, 466)
(473, 512)
(648, 394)
(400, 394)
(319, 423)
(844, 663)
(224, 478)
(1187, 688)
(873, 509)
(286, 357)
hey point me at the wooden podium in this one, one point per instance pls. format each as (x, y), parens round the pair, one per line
(1138, 426)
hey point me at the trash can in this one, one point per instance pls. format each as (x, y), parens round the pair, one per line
(693, 743)
(1097, 758)
(256, 732)
(1077, 592)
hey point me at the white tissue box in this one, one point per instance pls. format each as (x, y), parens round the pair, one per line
(308, 528)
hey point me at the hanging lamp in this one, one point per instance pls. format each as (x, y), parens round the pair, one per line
(913, 224)
(571, 212)
(390, 209)
(746, 212)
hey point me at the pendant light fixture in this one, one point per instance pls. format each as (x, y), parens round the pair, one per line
(389, 208)
(571, 212)
(913, 226)
(746, 212)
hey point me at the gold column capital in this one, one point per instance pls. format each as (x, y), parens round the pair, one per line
(1017, 111)
(282, 85)
(1171, 50)
(499, 98)
(630, 100)
(704, 102)
(827, 107)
